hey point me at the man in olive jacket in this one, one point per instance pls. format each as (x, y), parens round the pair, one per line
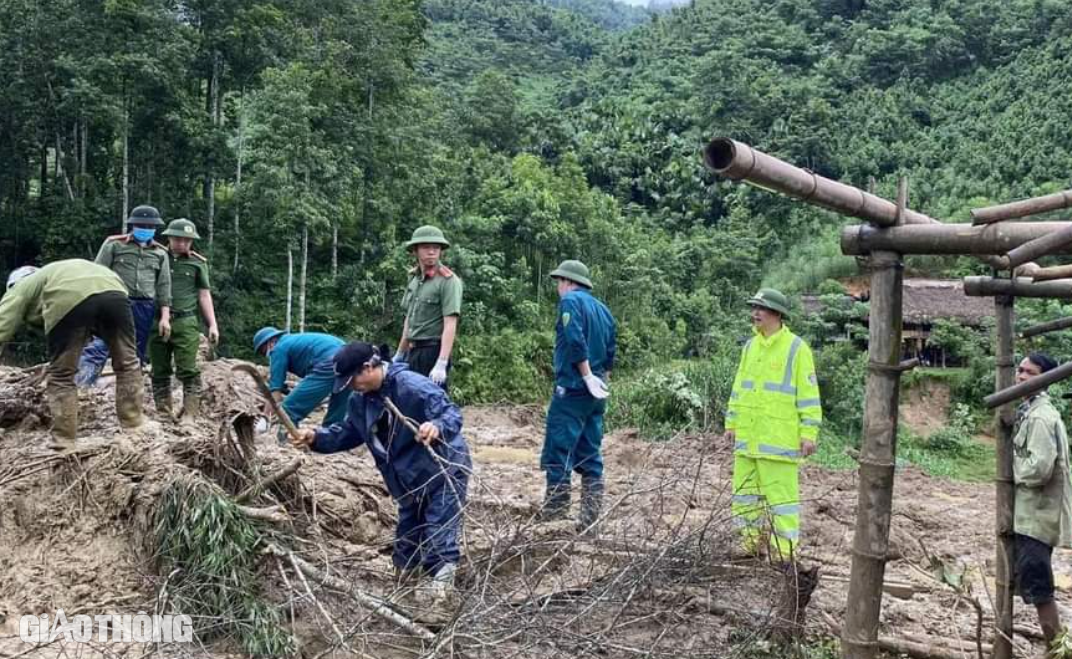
(73, 299)
(1043, 505)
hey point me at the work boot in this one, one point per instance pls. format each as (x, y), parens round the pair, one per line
(556, 502)
(64, 408)
(591, 504)
(162, 398)
(442, 585)
(191, 400)
(129, 391)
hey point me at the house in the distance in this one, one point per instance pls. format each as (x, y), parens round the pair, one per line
(927, 301)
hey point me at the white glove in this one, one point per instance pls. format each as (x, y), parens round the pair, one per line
(399, 356)
(439, 372)
(596, 387)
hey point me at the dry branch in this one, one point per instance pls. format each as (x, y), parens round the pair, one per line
(264, 484)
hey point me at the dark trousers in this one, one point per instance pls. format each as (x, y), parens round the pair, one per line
(430, 526)
(94, 356)
(573, 438)
(106, 315)
(422, 358)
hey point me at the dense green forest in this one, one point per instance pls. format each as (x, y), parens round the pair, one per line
(312, 137)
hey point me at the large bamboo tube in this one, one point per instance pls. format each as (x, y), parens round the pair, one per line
(741, 162)
(1048, 326)
(874, 504)
(1053, 272)
(1040, 247)
(1022, 208)
(1005, 312)
(860, 239)
(1020, 287)
(1025, 389)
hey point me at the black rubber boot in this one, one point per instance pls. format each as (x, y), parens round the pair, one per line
(556, 502)
(591, 504)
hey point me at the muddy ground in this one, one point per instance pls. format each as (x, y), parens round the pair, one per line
(76, 532)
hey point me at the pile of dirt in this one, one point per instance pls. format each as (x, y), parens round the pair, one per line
(77, 533)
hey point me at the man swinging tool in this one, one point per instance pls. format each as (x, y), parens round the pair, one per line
(426, 472)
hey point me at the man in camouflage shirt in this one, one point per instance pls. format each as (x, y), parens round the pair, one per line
(142, 264)
(191, 300)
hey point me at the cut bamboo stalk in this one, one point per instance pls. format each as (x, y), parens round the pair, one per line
(871, 537)
(1011, 392)
(739, 161)
(1049, 326)
(860, 239)
(1039, 247)
(1055, 272)
(1022, 208)
(1019, 287)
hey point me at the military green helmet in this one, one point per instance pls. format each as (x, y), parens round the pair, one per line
(574, 271)
(181, 228)
(768, 298)
(146, 215)
(428, 235)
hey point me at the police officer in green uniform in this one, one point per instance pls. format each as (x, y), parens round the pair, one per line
(141, 263)
(433, 303)
(191, 299)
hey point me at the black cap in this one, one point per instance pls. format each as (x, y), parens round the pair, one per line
(353, 358)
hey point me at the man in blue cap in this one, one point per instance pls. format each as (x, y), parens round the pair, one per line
(426, 472)
(585, 343)
(309, 356)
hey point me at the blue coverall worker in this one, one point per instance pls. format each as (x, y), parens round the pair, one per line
(309, 356)
(427, 472)
(585, 343)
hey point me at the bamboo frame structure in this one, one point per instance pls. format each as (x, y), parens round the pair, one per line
(894, 231)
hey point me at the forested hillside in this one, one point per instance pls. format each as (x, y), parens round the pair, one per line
(530, 131)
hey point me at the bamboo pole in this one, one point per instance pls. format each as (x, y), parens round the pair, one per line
(1039, 247)
(1020, 287)
(1048, 326)
(739, 161)
(857, 240)
(1055, 272)
(1025, 389)
(874, 504)
(1022, 208)
(1005, 312)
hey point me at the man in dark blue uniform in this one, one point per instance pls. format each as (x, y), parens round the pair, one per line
(585, 341)
(427, 472)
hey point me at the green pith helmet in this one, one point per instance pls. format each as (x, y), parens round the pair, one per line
(574, 271)
(145, 215)
(768, 298)
(428, 235)
(181, 228)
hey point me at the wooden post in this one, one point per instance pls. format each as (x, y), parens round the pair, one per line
(871, 539)
(1003, 307)
(1022, 208)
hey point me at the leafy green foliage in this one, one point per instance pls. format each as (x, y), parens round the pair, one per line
(210, 552)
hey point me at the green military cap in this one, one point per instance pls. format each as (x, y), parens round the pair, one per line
(145, 215)
(574, 271)
(428, 235)
(181, 228)
(768, 298)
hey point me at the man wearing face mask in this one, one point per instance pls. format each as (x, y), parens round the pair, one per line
(142, 264)
(191, 300)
